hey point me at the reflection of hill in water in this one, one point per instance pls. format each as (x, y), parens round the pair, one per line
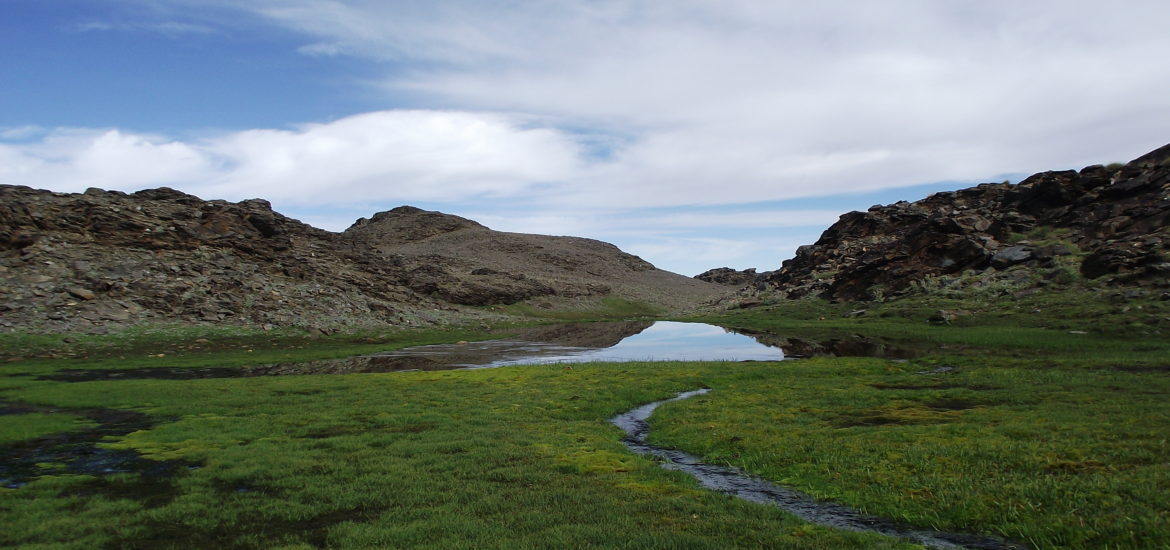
(349, 365)
(584, 335)
(853, 345)
(526, 343)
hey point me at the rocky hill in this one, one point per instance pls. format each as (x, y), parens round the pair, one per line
(729, 276)
(1106, 224)
(103, 258)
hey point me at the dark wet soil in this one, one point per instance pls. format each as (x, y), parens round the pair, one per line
(77, 452)
(735, 482)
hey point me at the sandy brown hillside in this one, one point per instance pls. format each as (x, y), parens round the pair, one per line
(465, 262)
(102, 258)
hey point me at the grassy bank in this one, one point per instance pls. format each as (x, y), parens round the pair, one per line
(1052, 438)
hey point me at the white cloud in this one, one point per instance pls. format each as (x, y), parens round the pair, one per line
(394, 155)
(15, 133)
(167, 28)
(387, 155)
(741, 100)
(74, 159)
(737, 101)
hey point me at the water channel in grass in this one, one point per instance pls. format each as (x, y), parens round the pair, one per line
(732, 481)
(564, 343)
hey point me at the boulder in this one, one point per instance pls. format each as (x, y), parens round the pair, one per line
(82, 293)
(947, 316)
(1010, 256)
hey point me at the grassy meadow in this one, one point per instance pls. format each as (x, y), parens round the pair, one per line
(1051, 436)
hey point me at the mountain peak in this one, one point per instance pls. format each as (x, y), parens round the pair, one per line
(407, 224)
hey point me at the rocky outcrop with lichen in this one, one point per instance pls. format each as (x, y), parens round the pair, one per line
(1109, 223)
(730, 277)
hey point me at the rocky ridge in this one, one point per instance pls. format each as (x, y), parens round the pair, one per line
(1108, 224)
(729, 276)
(103, 259)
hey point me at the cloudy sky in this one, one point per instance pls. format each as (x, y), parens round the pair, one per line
(694, 133)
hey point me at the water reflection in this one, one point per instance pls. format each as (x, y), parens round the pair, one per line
(577, 342)
(661, 341)
(852, 345)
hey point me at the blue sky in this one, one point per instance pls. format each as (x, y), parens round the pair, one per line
(695, 134)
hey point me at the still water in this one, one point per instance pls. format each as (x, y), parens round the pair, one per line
(634, 341)
(567, 343)
(659, 341)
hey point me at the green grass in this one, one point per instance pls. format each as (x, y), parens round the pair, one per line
(1055, 298)
(1044, 436)
(501, 458)
(1054, 457)
(20, 427)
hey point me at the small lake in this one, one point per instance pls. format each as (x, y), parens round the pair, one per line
(626, 341)
(621, 341)
(659, 341)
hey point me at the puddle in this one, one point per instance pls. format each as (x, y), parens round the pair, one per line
(734, 482)
(566, 343)
(77, 452)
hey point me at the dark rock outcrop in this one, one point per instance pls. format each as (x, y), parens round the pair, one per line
(1116, 218)
(88, 261)
(728, 276)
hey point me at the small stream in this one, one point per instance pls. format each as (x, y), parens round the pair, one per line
(734, 482)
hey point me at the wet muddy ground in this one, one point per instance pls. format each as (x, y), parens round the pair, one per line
(77, 452)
